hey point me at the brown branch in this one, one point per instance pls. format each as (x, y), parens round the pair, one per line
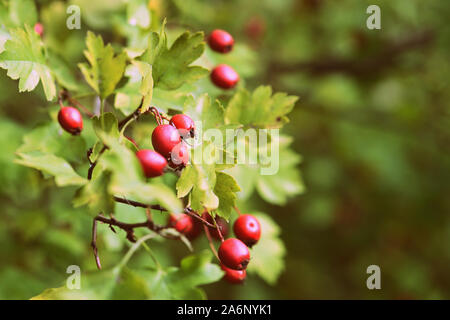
(135, 114)
(93, 164)
(187, 210)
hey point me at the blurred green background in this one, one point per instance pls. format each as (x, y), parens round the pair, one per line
(372, 126)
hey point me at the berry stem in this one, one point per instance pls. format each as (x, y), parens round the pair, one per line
(65, 95)
(211, 243)
(237, 210)
(219, 231)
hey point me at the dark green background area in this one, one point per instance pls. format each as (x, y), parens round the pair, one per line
(372, 126)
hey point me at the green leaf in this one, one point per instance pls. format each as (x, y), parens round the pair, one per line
(201, 109)
(172, 67)
(226, 188)
(285, 181)
(106, 69)
(195, 270)
(106, 126)
(95, 195)
(54, 166)
(122, 283)
(259, 109)
(198, 180)
(146, 88)
(64, 75)
(128, 180)
(128, 97)
(102, 285)
(18, 13)
(24, 59)
(182, 283)
(4, 36)
(51, 139)
(268, 254)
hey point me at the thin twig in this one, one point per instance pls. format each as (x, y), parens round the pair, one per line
(211, 243)
(187, 211)
(94, 244)
(135, 114)
(93, 164)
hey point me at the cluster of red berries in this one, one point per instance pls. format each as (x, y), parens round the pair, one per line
(169, 145)
(223, 75)
(167, 140)
(233, 253)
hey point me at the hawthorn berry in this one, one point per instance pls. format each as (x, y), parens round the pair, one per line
(224, 76)
(70, 120)
(223, 226)
(39, 29)
(234, 254)
(185, 224)
(184, 124)
(152, 162)
(179, 157)
(234, 276)
(220, 41)
(165, 138)
(247, 229)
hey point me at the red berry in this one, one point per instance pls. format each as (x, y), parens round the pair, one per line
(185, 224)
(223, 226)
(181, 222)
(234, 276)
(164, 138)
(247, 229)
(234, 254)
(184, 124)
(224, 76)
(71, 120)
(220, 41)
(152, 163)
(179, 157)
(39, 28)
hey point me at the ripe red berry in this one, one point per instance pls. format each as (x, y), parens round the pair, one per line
(179, 157)
(39, 28)
(184, 124)
(224, 76)
(185, 224)
(247, 229)
(152, 163)
(71, 120)
(164, 138)
(220, 41)
(234, 254)
(223, 226)
(234, 276)
(181, 222)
